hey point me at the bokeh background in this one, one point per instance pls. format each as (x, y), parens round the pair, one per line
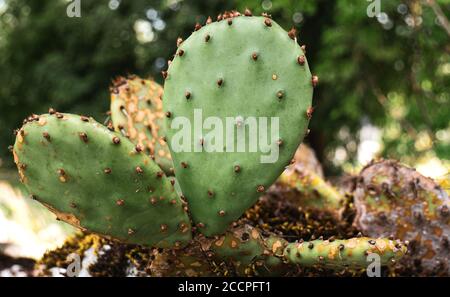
(384, 81)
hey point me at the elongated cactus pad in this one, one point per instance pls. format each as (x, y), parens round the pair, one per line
(352, 252)
(244, 251)
(96, 180)
(392, 199)
(136, 111)
(249, 81)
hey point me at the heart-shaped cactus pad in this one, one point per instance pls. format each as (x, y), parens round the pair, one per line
(237, 103)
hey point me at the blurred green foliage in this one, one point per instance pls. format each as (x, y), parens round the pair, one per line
(392, 70)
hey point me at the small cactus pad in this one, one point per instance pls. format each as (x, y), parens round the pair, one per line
(352, 252)
(96, 180)
(136, 112)
(242, 74)
(308, 189)
(394, 200)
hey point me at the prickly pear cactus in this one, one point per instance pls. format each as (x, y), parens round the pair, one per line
(97, 180)
(244, 68)
(136, 112)
(394, 200)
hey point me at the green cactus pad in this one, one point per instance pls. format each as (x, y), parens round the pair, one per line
(136, 111)
(352, 252)
(240, 67)
(96, 180)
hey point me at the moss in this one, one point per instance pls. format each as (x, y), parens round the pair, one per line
(113, 258)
